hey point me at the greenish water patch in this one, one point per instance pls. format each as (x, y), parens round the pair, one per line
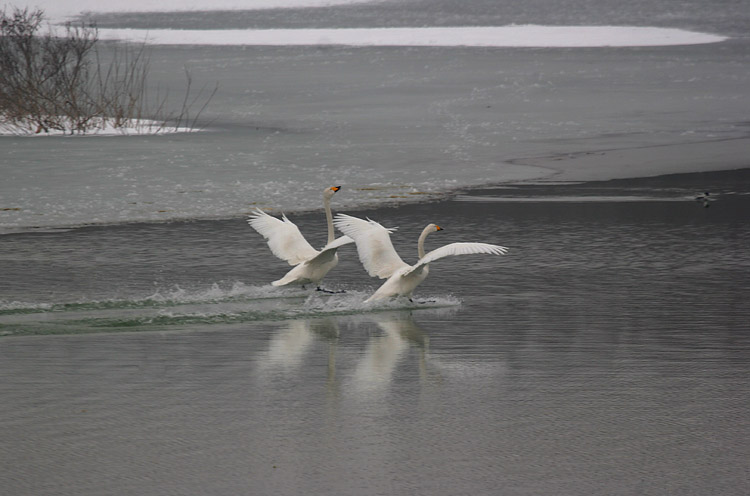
(124, 316)
(27, 309)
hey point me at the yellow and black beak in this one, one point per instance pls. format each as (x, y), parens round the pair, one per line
(335, 188)
(438, 228)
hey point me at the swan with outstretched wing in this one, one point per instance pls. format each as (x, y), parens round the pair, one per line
(287, 242)
(380, 259)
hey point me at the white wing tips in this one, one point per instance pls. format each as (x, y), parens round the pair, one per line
(283, 237)
(454, 249)
(351, 226)
(374, 246)
(479, 248)
(262, 222)
(356, 227)
(256, 214)
(500, 250)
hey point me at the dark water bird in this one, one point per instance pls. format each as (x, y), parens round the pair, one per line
(705, 198)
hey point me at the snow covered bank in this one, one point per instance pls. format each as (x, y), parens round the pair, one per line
(102, 127)
(499, 36)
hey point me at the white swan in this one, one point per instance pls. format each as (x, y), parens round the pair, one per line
(380, 259)
(286, 242)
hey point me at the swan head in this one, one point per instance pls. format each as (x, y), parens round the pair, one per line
(434, 228)
(329, 192)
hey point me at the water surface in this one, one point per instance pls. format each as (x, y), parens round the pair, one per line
(606, 353)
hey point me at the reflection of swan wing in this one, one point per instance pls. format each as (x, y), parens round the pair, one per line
(457, 249)
(393, 326)
(288, 345)
(405, 328)
(283, 236)
(376, 252)
(327, 329)
(379, 361)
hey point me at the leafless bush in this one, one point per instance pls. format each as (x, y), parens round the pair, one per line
(58, 81)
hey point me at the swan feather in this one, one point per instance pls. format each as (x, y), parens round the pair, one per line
(329, 250)
(376, 252)
(284, 237)
(457, 249)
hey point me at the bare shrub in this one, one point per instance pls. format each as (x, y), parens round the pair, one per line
(57, 81)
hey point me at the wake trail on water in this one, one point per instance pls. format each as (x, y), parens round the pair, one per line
(179, 308)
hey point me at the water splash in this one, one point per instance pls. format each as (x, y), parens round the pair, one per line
(178, 307)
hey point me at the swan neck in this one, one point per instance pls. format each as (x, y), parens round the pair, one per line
(329, 218)
(420, 243)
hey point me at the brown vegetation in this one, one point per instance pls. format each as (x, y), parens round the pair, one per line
(57, 81)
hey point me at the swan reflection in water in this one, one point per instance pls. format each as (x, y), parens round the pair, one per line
(300, 344)
(385, 349)
(289, 345)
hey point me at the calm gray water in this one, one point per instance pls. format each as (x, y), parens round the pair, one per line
(607, 353)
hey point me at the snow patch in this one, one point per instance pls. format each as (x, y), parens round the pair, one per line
(100, 127)
(531, 36)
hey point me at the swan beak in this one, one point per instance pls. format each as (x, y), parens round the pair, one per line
(438, 228)
(335, 188)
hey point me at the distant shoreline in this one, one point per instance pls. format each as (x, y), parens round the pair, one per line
(512, 36)
(699, 180)
(643, 161)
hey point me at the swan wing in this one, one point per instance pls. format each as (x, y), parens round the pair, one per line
(283, 236)
(328, 251)
(374, 247)
(337, 243)
(457, 249)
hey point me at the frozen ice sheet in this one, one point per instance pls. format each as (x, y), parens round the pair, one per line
(476, 36)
